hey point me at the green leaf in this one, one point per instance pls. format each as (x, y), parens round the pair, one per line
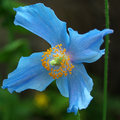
(11, 50)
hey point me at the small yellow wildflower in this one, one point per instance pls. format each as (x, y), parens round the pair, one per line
(41, 100)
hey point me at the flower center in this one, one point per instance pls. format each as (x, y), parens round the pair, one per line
(57, 62)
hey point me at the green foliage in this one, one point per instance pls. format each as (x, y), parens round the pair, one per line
(6, 10)
(7, 14)
(15, 48)
(13, 108)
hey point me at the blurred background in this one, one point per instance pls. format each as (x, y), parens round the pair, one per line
(15, 41)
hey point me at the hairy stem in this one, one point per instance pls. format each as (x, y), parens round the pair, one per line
(106, 60)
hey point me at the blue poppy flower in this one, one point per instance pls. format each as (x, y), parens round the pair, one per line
(63, 62)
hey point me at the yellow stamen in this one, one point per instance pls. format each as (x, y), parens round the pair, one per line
(60, 59)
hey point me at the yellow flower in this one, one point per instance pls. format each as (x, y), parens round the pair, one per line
(41, 100)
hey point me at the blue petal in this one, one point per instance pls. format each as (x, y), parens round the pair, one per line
(80, 86)
(62, 84)
(86, 47)
(42, 21)
(29, 74)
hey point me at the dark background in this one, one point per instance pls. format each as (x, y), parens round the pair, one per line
(81, 15)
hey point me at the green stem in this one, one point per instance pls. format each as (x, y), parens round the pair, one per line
(78, 116)
(106, 60)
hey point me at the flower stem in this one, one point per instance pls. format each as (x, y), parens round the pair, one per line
(78, 116)
(106, 60)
